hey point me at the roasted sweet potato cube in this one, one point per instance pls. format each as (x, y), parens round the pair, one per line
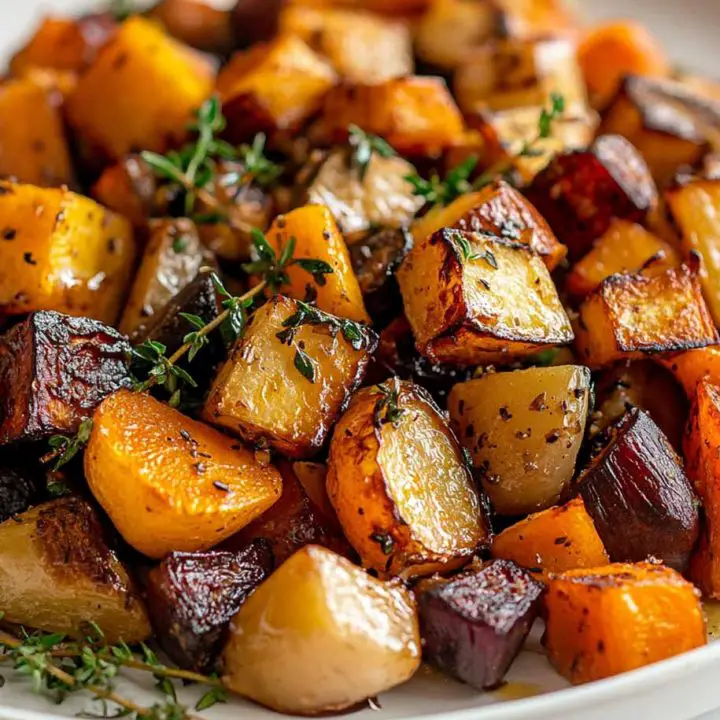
(639, 497)
(609, 620)
(474, 626)
(629, 316)
(33, 147)
(307, 399)
(475, 299)
(580, 192)
(172, 258)
(362, 46)
(416, 115)
(170, 483)
(192, 597)
(140, 92)
(273, 87)
(692, 367)
(668, 123)
(128, 188)
(498, 209)
(61, 251)
(625, 247)
(54, 371)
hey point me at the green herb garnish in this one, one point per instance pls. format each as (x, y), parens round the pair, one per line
(364, 146)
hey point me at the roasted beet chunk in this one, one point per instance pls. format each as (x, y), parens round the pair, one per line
(580, 192)
(639, 497)
(473, 627)
(54, 371)
(19, 488)
(191, 598)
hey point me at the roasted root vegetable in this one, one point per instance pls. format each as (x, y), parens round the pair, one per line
(317, 236)
(170, 483)
(552, 541)
(261, 393)
(474, 626)
(498, 209)
(399, 484)
(629, 316)
(608, 620)
(55, 370)
(639, 497)
(523, 430)
(308, 640)
(20, 486)
(475, 299)
(192, 597)
(61, 251)
(140, 92)
(692, 367)
(59, 574)
(273, 87)
(580, 192)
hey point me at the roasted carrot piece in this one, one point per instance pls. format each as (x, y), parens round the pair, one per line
(692, 367)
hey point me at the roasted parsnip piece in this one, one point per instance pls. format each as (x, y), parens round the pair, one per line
(523, 430)
(309, 640)
(59, 574)
(54, 371)
(260, 394)
(399, 484)
(475, 299)
(620, 617)
(170, 483)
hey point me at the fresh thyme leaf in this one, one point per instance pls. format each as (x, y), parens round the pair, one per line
(387, 408)
(57, 488)
(180, 244)
(364, 145)
(436, 191)
(385, 541)
(257, 166)
(263, 248)
(212, 697)
(317, 268)
(304, 364)
(544, 358)
(163, 166)
(68, 447)
(548, 117)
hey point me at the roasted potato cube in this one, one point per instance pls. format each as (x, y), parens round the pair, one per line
(513, 73)
(379, 197)
(54, 371)
(625, 247)
(639, 497)
(474, 626)
(608, 620)
(140, 92)
(523, 430)
(498, 209)
(416, 115)
(554, 540)
(273, 87)
(197, 23)
(170, 483)
(694, 208)
(59, 574)
(261, 394)
(192, 597)
(492, 304)
(307, 640)
(317, 236)
(579, 193)
(629, 316)
(399, 484)
(61, 251)
(668, 123)
(172, 258)
(692, 367)
(363, 47)
(33, 147)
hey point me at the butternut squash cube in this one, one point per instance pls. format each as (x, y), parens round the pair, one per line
(477, 299)
(140, 93)
(169, 483)
(629, 316)
(61, 251)
(261, 394)
(692, 367)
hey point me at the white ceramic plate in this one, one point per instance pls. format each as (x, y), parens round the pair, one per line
(678, 689)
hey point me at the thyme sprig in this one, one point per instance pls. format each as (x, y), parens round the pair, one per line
(387, 408)
(64, 448)
(364, 145)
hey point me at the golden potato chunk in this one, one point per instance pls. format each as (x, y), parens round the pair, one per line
(61, 251)
(57, 573)
(399, 484)
(523, 430)
(261, 394)
(477, 299)
(320, 636)
(629, 316)
(140, 92)
(170, 483)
